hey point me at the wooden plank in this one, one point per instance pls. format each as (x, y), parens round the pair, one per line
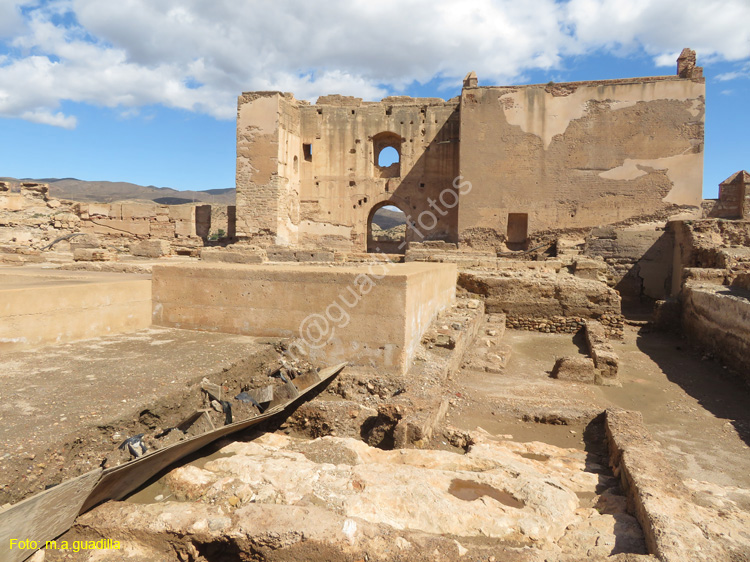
(261, 395)
(215, 390)
(45, 516)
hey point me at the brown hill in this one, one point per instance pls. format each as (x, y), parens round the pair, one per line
(108, 192)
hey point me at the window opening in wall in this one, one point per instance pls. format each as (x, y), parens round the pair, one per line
(307, 151)
(386, 151)
(296, 164)
(388, 156)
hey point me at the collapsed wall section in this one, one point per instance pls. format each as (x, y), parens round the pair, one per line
(32, 220)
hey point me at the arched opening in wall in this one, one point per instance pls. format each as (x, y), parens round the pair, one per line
(386, 148)
(386, 229)
(388, 156)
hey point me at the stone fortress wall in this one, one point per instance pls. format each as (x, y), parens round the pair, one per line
(508, 161)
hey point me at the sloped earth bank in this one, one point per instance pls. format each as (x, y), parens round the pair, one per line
(65, 409)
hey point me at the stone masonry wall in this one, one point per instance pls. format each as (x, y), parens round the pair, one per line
(309, 174)
(31, 219)
(544, 301)
(717, 318)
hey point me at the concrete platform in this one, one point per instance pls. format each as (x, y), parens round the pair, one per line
(44, 306)
(369, 314)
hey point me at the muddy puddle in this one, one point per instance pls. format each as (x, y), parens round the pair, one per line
(468, 490)
(156, 491)
(535, 457)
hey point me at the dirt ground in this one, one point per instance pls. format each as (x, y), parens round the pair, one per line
(690, 403)
(62, 406)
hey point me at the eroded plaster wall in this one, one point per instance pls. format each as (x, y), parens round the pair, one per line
(258, 179)
(582, 154)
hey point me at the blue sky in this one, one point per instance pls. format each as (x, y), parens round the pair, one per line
(145, 91)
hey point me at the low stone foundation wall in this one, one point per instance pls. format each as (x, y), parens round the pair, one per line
(545, 301)
(717, 318)
(675, 528)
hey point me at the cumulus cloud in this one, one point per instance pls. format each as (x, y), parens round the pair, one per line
(10, 17)
(47, 118)
(662, 28)
(743, 72)
(198, 56)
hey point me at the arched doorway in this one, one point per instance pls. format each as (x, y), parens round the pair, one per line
(386, 229)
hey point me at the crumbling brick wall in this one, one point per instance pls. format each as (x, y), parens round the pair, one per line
(545, 301)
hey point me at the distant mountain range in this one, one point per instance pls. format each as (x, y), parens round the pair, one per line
(387, 218)
(107, 192)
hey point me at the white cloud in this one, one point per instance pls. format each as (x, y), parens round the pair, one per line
(744, 72)
(10, 17)
(715, 29)
(47, 118)
(199, 56)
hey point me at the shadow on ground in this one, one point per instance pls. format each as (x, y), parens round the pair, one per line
(716, 389)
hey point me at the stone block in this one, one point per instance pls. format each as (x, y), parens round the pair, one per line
(590, 269)
(98, 209)
(607, 362)
(138, 210)
(151, 248)
(231, 255)
(314, 256)
(85, 241)
(579, 369)
(12, 202)
(93, 254)
(184, 228)
(161, 229)
(182, 213)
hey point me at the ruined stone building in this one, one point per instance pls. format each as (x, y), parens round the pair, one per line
(493, 165)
